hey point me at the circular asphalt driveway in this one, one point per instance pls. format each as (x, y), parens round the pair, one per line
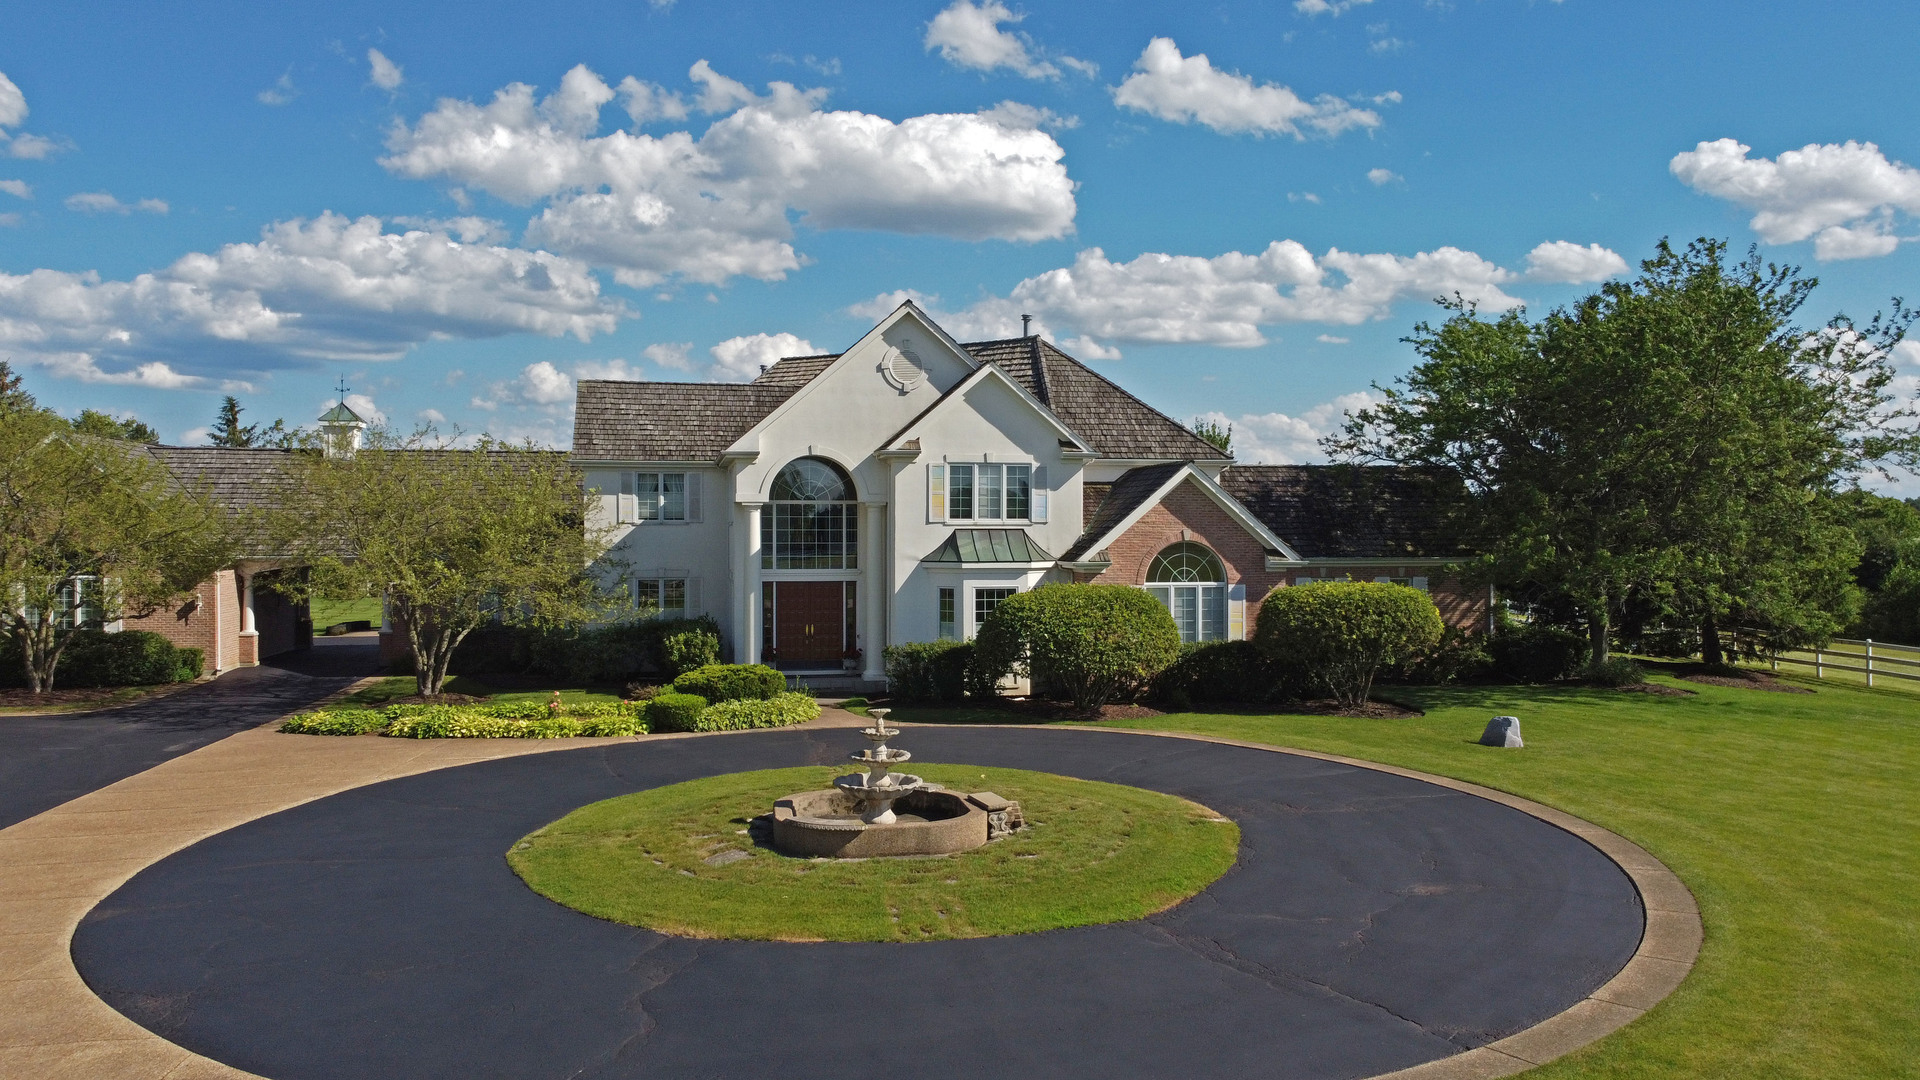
(1373, 922)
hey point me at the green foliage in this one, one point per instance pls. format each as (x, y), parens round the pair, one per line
(1459, 656)
(1614, 671)
(456, 538)
(781, 710)
(1538, 653)
(604, 654)
(675, 712)
(323, 722)
(732, 682)
(688, 649)
(1892, 612)
(492, 720)
(1091, 644)
(928, 670)
(1674, 441)
(227, 429)
(97, 658)
(1223, 671)
(1220, 435)
(99, 514)
(104, 426)
(1339, 634)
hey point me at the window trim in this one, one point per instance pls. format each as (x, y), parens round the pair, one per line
(953, 483)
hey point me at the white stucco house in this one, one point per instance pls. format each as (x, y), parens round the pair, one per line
(896, 491)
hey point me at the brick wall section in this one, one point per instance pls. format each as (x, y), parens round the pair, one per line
(208, 622)
(1188, 513)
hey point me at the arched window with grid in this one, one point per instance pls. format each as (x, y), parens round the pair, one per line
(812, 520)
(1191, 581)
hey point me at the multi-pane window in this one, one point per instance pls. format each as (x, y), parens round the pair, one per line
(812, 521)
(654, 496)
(949, 626)
(660, 596)
(989, 492)
(985, 600)
(1190, 580)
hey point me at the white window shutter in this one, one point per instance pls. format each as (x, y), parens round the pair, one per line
(1236, 612)
(1038, 510)
(936, 493)
(693, 598)
(626, 506)
(693, 499)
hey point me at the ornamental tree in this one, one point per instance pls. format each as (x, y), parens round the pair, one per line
(1091, 643)
(92, 530)
(1339, 634)
(453, 538)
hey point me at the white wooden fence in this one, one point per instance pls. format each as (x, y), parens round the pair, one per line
(1874, 659)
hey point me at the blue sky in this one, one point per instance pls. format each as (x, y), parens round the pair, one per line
(464, 208)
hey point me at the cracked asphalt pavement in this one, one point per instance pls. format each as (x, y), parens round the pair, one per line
(1372, 922)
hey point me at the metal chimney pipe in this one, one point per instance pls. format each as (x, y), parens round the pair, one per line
(1025, 322)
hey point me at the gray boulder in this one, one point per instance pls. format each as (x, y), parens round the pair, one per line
(1502, 731)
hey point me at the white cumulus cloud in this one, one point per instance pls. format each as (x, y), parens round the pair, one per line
(1189, 89)
(1311, 8)
(383, 72)
(330, 288)
(711, 208)
(969, 35)
(539, 385)
(19, 189)
(1563, 260)
(282, 92)
(670, 354)
(13, 103)
(1382, 177)
(13, 113)
(1277, 438)
(739, 359)
(1844, 195)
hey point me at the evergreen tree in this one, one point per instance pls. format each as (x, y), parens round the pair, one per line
(227, 429)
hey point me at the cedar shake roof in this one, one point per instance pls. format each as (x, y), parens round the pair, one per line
(1354, 511)
(671, 421)
(654, 421)
(237, 479)
(1124, 496)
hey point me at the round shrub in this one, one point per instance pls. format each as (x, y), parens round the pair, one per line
(732, 682)
(1091, 644)
(689, 649)
(675, 712)
(1615, 671)
(1537, 653)
(1341, 633)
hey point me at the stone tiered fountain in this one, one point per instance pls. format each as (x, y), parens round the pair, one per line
(880, 812)
(877, 789)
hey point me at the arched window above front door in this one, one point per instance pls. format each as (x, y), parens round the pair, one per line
(811, 521)
(1191, 581)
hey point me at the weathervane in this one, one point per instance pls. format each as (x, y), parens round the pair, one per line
(342, 388)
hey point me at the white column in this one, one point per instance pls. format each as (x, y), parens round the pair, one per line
(747, 580)
(873, 587)
(246, 605)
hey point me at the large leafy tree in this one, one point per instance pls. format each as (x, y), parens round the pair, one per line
(1676, 439)
(107, 426)
(454, 538)
(96, 524)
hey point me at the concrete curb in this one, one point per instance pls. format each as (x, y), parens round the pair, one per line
(59, 865)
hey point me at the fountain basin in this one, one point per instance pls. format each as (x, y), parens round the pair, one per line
(828, 824)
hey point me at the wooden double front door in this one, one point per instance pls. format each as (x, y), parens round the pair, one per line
(812, 621)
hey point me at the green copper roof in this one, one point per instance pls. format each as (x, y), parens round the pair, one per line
(988, 546)
(340, 414)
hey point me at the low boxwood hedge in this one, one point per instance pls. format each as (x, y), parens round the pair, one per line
(675, 712)
(781, 710)
(533, 720)
(732, 682)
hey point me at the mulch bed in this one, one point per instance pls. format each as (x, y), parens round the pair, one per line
(23, 698)
(1064, 710)
(433, 699)
(1655, 689)
(1752, 680)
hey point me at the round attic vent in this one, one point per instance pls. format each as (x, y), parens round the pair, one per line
(902, 368)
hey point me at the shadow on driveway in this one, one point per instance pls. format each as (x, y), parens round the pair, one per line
(47, 760)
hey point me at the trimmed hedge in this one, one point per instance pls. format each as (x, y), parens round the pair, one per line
(610, 654)
(1227, 671)
(1339, 634)
(732, 682)
(675, 712)
(782, 710)
(929, 670)
(689, 649)
(1089, 643)
(99, 658)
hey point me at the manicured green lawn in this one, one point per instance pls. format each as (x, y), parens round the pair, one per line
(328, 612)
(1095, 853)
(1794, 818)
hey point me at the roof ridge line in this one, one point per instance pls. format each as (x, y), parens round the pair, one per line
(1070, 358)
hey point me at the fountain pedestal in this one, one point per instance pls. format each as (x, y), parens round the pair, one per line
(856, 817)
